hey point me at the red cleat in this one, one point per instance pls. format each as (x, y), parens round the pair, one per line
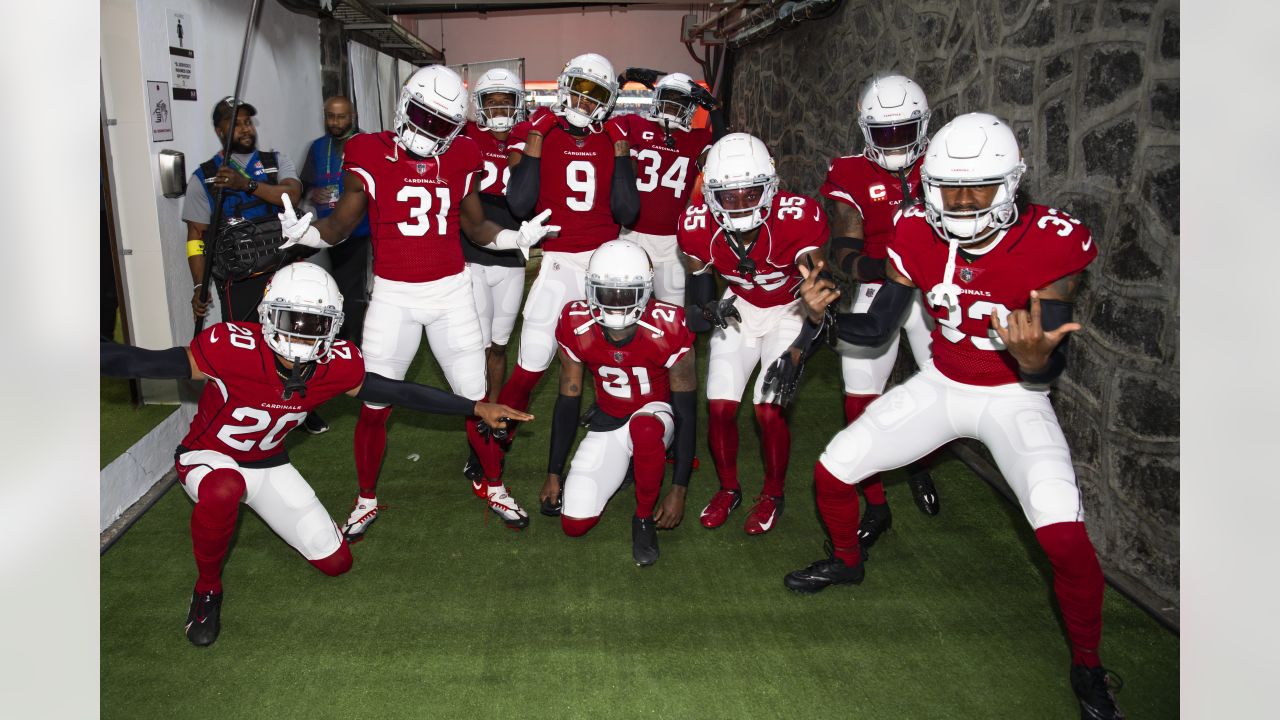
(763, 514)
(717, 511)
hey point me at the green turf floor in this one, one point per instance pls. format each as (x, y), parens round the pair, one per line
(449, 614)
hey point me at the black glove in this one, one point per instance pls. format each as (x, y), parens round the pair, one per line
(718, 312)
(704, 99)
(644, 76)
(783, 376)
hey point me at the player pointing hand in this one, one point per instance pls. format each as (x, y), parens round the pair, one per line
(1026, 339)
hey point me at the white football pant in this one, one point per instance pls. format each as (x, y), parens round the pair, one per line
(561, 280)
(668, 270)
(497, 292)
(600, 464)
(866, 370)
(761, 337)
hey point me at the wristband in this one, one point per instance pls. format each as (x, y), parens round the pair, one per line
(195, 247)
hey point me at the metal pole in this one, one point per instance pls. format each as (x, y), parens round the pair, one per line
(211, 233)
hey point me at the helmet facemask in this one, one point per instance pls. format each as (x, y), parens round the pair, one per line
(617, 304)
(582, 100)
(971, 227)
(422, 130)
(674, 106)
(894, 146)
(741, 206)
(299, 332)
(502, 110)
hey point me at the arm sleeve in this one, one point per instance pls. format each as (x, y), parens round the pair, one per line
(701, 290)
(624, 198)
(686, 440)
(880, 321)
(384, 390)
(127, 361)
(1053, 315)
(564, 426)
(522, 187)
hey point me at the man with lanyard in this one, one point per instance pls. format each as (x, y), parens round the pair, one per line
(322, 183)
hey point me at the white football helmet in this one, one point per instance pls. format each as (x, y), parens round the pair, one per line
(973, 149)
(739, 182)
(619, 283)
(431, 111)
(673, 104)
(301, 312)
(893, 114)
(586, 79)
(499, 81)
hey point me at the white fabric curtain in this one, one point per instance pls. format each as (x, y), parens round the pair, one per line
(364, 87)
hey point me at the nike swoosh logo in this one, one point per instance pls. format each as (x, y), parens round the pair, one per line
(213, 335)
(764, 527)
(1087, 244)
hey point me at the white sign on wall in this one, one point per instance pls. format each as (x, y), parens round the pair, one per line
(182, 55)
(159, 111)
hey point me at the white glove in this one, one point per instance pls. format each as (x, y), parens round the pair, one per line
(530, 233)
(298, 230)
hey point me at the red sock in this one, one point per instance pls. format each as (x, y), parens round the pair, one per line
(213, 521)
(337, 563)
(872, 488)
(650, 458)
(486, 449)
(838, 506)
(722, 438)
(371, 444)
(577, 527)
(1078, 583)
(775, 442)
(518, 389)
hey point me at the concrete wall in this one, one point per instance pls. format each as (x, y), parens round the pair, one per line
(1091, 89)
(547, 38)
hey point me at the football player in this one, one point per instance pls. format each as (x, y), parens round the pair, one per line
(867, 190)
(640, 353)
(669, 152)
(264, 378)
(578, 166)
(756, 237)
(497, 276)
(1000, 278)
(419, 184)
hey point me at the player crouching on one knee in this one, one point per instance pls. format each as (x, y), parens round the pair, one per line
(264, 379)
(640, 354)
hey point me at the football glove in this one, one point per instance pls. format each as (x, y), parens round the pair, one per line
(705, 100)
(297, 230)
(644, 76)
(783, 376)
(530, 233)
(719, 312)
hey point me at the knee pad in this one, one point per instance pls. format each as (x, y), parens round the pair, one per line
(224, 487)
(722, 411)
(337, 563)
(577, 527)
(646, 432)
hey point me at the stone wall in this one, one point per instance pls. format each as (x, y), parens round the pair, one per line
(1091, 88)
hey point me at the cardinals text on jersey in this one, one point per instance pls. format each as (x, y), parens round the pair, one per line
(631, 375)
(413, 204)
(796, 225)
(1045, 245)
(494, 152)
(875, 192)
(665, 175)
(575, 183)
(241, 411)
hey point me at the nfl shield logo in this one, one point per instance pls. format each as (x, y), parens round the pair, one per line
(617, 356)
(966, 274)
(421, 168)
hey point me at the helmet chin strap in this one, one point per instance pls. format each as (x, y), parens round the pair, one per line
(295, 378)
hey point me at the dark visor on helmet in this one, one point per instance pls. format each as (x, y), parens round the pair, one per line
(304, 324)
(887, 137)
(430, 122)
(613, 297)
(744, 198)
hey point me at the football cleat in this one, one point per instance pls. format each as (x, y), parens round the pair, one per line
(828, 571)
(506, 507)
(315, 424)
(717, 511)
(473, 471)
(875, 521)
(924, 492)
(204, 618)
(363, 513)
(763, 514)
(1092, 687)
(551, 508)
(644, 541)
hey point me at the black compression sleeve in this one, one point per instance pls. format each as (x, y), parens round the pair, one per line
(134, 362)
(685, 405)
(385, 391)
(870, 269)
(1053, 315)
(700, 290)
(881, 320)
(564, 428)
(624, 198)
(852, 248)
(522, 187)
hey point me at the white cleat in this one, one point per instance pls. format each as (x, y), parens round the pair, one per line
(506, 507)
(361, 517)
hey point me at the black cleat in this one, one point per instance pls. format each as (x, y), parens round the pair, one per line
(315, 424)
(551, 508)
(472, 470)
(1093, 688)
(644, 541)
(828, 571)
(203, 619)
(924, 492)
(875, 521)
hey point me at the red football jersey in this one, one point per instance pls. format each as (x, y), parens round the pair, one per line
(496, 169)
(875, 192)
(241, 412)
(630, 376)
(665, 175)
(413, 204)
(796, 225)
(1045, 245)
(575, 180)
